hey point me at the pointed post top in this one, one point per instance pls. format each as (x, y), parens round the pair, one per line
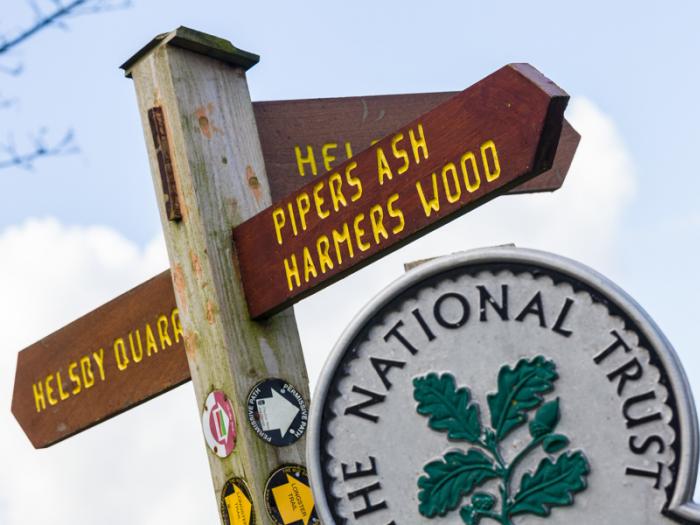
(198, 42)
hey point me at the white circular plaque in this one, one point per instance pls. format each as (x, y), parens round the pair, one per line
(503, 386)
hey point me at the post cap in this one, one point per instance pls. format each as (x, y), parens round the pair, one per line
(198, 42)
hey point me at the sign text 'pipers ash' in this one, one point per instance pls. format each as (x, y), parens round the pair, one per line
(496, 134)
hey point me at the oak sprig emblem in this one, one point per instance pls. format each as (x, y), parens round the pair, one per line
(459, 473)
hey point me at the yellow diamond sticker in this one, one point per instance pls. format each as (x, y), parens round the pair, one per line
(289, 497)
(236, 506)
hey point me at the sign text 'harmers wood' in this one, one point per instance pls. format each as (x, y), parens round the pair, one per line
(500, 132)
(300, 140)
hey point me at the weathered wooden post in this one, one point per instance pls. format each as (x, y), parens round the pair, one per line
(209, 176)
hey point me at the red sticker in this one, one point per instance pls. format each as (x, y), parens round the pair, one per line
(219, 424)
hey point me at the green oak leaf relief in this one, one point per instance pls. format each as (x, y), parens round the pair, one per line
(520, 389)
(450, 479)
(457, 474)
(449, 409)
(552, 485)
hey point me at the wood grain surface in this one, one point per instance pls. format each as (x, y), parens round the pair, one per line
(498, 133)
(117, 356)
(302, 139)
(221, 181)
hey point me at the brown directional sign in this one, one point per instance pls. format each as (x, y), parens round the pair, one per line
(122, 354)
(317, 126)
(492, 136)
(302, 139)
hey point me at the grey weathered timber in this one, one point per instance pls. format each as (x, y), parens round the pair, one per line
(220, 180)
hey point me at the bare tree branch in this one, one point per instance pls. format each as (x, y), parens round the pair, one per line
(47, 13)
(41, 148)
(12, 71)
(105, 6)
(61, 10)
(7, 102)
(42, 22)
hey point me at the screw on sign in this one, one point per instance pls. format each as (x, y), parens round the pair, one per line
(533, 390)
(219, 424)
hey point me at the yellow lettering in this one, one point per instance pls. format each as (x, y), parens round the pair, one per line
(136, 356)
(39, 399)
(279, 220)
(86, 368)
(327, 157)
(335, 185)
(318, 201)
(49, 390)
(120, 354)
(376, 217)
(471, 186)
(293, 219)
(490, 175)
(323, 244)
(353, 181)
(342, 237)
(434, 203)
(418, 144)
(395, 213)
(74, 377)
(309, 159)
(61, 394)
(451, 197)
(163, 335)
(177, 327)
(399, 153)
(309, 267)
(348, 150)
(292, 271)
(359, 233)
(151, 345)
(99, 358)
(383, 168)
(304, 205)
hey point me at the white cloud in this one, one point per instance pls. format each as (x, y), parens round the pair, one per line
(148, 465)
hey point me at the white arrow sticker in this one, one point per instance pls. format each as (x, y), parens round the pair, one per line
(276, 412)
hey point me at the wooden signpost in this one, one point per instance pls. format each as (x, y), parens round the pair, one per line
(298, 138)
(208, 162)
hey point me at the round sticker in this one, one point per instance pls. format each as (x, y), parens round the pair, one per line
(236, 503)
(288, 497)
(503, 386)
(218, 424)
(277, 412)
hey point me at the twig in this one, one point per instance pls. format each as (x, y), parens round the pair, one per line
(65, 146)
(55, 18)
(41, 23)
(7, 102)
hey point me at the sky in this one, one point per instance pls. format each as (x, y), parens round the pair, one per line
(79, 229)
